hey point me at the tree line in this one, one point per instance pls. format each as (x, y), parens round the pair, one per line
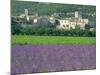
(50, 31)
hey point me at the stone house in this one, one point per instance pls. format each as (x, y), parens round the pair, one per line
(72, 23)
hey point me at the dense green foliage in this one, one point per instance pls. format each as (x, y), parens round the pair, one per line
(50, 31)
(23, 39)
(48, 8)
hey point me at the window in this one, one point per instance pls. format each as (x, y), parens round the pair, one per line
(63, 25)
(67, 25)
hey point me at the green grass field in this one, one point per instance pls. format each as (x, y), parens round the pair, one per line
(18, 39)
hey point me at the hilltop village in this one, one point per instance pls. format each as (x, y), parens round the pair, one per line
(68, 23)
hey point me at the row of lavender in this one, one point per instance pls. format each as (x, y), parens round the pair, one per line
(50, 58)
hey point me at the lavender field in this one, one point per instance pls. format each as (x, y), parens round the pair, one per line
(51, 58)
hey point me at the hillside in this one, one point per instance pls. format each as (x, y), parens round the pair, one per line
(50, 8)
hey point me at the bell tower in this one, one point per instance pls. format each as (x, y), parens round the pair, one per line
(26, 12)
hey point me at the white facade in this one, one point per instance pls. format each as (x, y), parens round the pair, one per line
(64, 24)
(71, 23)
(34, 20)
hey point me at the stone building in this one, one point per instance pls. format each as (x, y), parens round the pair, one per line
(73, 22)
(65, 23)
(41, 21)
